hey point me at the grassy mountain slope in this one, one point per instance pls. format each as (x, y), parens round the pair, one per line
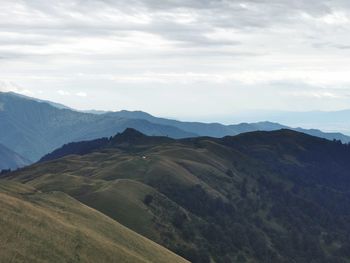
(278, 196)
(53, 227)
(10, 159)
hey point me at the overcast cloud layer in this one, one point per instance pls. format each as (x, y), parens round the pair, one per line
(179, 58)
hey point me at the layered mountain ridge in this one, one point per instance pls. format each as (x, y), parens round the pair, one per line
(279, 196)
(32, 128)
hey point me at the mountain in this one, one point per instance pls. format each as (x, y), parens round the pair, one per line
(220, 130)
(53, 227)
(33, 128)
(327, 135)
(277, 196)
(10, 159)
(324, 120)
(54, 104)
(198, 128)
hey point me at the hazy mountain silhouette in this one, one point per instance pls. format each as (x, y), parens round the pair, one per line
(33, 127)
(11, 160)
(220, 130)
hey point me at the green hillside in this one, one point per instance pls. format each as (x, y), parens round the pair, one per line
(277, 196)
(53, 227)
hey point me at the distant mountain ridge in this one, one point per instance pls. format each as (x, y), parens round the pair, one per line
(337, 120)
(32, 128)
(10, 159)
(221, 130)
(54, 104)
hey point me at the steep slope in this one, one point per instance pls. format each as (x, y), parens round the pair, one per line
(10, 159)
(53, 227)
(33, 128)
(278, 196)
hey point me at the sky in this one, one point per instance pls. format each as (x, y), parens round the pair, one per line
(186, 59)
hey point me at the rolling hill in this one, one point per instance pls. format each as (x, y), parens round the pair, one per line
(53, 227)
(279, 196)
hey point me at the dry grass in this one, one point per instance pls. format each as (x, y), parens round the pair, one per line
(53, 227)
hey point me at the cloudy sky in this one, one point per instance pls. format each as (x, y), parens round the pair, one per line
(178, 58)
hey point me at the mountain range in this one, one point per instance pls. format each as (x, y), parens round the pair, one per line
(32, 128)
(276, 196)
(220, 130)
(324, 120)
(11, 160)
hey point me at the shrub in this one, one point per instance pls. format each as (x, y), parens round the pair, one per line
(148, 199)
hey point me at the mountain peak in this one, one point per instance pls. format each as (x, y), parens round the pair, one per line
(131, 132)
(129, 135)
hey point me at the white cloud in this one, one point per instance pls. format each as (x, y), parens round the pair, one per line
(320, 78)
(316, 94)
(242, 53)
(81, 94)
(63, 92)
(9, 86)
(336, 18)
(6, 86)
